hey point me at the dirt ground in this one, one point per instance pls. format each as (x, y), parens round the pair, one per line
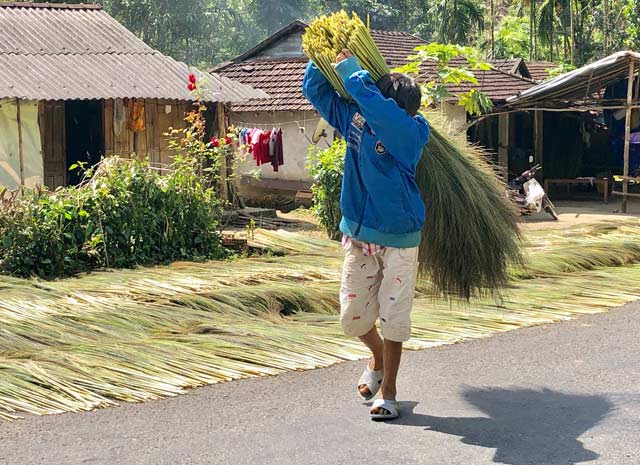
(573, 213)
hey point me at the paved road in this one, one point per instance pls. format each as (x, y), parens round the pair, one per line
(552, 395)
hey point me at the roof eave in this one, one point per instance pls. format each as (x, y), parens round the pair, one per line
(276, 36)
(538, 93)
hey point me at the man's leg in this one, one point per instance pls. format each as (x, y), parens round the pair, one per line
(375, 344)
(392, 356)
(396, 299)
(361, 278)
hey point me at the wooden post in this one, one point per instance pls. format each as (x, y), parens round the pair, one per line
(222, 132)
(538, 125)
(627, 137)
(503, 144)
(20, 143)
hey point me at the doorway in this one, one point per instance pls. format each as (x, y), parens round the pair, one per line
(84, 136)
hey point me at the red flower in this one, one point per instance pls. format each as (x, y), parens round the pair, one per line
(215, 142)
(192, 78)
(228, 141)
(191, 86)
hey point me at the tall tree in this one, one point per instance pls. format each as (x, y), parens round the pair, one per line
(457, 21)
(632, 16)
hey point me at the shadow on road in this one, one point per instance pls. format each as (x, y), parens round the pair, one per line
(525, 426)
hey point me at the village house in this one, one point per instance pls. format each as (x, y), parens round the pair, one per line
(589, 120)
(76, 85)
(277, 65)
(537, 71)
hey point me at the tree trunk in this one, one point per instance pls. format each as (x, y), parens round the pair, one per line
(535, 28)
(531, 23)
(493, 50)
(573, 36)
(605, 27)
(553, 38)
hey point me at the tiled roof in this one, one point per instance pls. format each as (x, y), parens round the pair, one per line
(539, 69)
(396, 46)
(65, 52)
(508, 65)
(282, 78)
(498, 85)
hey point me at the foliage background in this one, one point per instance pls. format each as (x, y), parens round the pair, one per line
(126, 215)
(207, 32)
(327, 168)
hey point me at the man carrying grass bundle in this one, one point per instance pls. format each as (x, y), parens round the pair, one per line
(383, 212)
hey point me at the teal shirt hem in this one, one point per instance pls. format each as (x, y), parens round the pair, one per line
(347, 67)
(400, 241)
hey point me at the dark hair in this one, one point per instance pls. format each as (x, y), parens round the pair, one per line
(403, 90)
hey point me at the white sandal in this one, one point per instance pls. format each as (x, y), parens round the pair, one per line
(390, 406)
(373, 381)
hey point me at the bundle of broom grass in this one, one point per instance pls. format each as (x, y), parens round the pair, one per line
(471, 233)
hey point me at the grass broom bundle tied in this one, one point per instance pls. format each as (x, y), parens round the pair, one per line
(471, 233)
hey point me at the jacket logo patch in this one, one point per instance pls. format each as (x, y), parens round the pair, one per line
(358, 121)
(380, 148)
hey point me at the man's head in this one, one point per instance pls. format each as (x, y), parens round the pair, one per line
(403, 90)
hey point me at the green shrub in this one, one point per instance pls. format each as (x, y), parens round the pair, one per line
(327, 167)
(124, 215)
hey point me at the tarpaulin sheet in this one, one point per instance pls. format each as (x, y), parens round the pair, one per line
(10, 144)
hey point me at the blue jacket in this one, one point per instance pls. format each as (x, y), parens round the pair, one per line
(380, 200)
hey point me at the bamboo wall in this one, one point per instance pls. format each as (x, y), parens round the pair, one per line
(160, 115)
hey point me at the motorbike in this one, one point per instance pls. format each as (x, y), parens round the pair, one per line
(528, 195)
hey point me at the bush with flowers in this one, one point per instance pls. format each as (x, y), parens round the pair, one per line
(124, 213)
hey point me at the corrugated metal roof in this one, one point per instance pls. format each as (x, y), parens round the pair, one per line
(69, 52)
(581, 83)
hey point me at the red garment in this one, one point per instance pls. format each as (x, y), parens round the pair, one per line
(261, 149)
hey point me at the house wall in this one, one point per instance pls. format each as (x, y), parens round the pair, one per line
(456, 116)
(290, 46)
(18, 168)
(160, 115)
(296, 142)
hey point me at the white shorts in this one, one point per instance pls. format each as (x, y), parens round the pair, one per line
(378, 285)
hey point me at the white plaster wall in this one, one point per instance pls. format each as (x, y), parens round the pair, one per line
(296, 141)
(456, 116)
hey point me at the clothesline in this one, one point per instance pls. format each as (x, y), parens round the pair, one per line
(274, 124)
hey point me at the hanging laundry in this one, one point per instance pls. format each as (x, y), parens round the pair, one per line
(254, 138)
(266, 147)
(136, 116)
(119, 116)
(273, 156)
(279, 150)
(264, 139)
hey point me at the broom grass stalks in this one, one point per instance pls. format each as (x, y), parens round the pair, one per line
(79, 344)
(471, 235)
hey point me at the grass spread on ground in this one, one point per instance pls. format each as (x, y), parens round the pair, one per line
(130, 336)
